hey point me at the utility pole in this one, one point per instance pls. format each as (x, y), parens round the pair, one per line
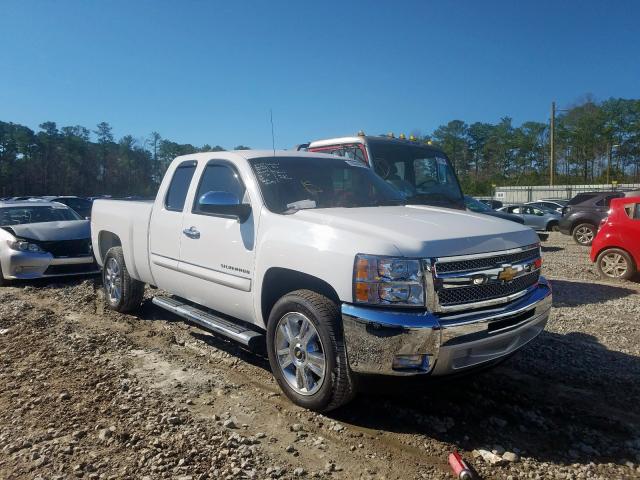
(552, 143)
(611, 147)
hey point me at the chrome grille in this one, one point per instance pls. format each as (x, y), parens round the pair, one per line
(475, 281)
(471, 294)
(465, 265)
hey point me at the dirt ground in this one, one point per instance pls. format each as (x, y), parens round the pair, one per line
(88, 393)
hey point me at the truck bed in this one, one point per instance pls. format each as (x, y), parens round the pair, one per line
(129, 221)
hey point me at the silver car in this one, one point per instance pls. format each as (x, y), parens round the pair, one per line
(43, 239)
(540, 219)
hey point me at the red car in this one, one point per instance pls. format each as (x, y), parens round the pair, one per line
(616, 248)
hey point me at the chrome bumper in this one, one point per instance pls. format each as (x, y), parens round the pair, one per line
(449, 343)
(31, 265)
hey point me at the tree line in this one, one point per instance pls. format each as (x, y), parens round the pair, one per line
(590, 138)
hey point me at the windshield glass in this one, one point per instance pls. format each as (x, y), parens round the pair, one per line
(41, 214)
(475, 205)
(289, 184)
(422, 174)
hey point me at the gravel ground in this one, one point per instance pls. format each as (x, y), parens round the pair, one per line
(88, 393)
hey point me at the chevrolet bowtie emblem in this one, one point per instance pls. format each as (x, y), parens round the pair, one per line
(507, 274)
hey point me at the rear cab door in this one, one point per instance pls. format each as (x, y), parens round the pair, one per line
(165, 229)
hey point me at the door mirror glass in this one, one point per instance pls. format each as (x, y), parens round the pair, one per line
(224, 204)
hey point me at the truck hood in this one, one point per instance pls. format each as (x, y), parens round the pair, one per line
(423, 231)
(52, 231)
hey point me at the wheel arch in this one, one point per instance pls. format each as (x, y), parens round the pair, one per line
(278, 281)
(106, 241)
(552, 223)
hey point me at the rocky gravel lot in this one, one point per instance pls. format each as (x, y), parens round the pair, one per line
(87, 393)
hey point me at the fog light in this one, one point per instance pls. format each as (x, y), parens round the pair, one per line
(410, 362)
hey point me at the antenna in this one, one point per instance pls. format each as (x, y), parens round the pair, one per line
(273, 138)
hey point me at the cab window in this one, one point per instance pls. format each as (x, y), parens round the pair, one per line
(177, 192)
(219, 178)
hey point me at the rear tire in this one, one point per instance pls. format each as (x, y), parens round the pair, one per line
(584, 233)
(307, 353)
(121, 292)
(614, 263)
(553, 227)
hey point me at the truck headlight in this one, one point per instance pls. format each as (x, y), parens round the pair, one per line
(388, 281)
(24, 246)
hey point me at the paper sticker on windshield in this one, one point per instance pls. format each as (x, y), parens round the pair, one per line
(356, 163)
(441, 161)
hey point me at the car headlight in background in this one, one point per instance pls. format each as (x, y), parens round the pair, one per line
(24, 246)
(388, 281)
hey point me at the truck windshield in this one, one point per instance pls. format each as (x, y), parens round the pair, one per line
(289, 184)
(422, 174)
(24, 215)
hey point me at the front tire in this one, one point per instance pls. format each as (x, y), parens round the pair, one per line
(584, 233)
(122, 293)
(616, 264)
(307, 352)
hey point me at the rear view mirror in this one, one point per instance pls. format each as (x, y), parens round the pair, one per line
(223, 204)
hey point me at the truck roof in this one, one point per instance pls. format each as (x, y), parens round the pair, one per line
(249, 154)
(380, 139)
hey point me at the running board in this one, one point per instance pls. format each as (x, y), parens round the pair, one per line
(208, 321)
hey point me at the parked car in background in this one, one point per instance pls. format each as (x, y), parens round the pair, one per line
(542, 220)
(81, 206)
(616, 248)
(550, 204)
(43, 239)
(478, 207)
(328, 262)
(583, 214)
(493, 204)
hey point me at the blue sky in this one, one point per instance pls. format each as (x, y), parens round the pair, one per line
(208, 72)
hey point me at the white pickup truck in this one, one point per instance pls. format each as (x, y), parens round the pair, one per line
(324, 259)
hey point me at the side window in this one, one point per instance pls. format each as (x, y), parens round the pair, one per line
(219, 178)
(177, 192)
(636, 214)
(351, 151)
(604, 202)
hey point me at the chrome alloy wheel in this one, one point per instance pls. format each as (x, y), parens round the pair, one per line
(614, 265)
(113, 281)
(585, 235)
(300, 353)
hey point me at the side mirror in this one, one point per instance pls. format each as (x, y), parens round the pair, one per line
(223, 204)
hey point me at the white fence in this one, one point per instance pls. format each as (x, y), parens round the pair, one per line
(531, 193)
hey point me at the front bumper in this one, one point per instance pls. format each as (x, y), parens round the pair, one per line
(30, 265)
(374, 337)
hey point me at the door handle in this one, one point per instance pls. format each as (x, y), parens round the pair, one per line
(191, 232)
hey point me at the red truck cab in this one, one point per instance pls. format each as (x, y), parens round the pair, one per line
(616, 248)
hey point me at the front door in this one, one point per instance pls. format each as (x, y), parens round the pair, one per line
(217, 252)
(534, 217)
